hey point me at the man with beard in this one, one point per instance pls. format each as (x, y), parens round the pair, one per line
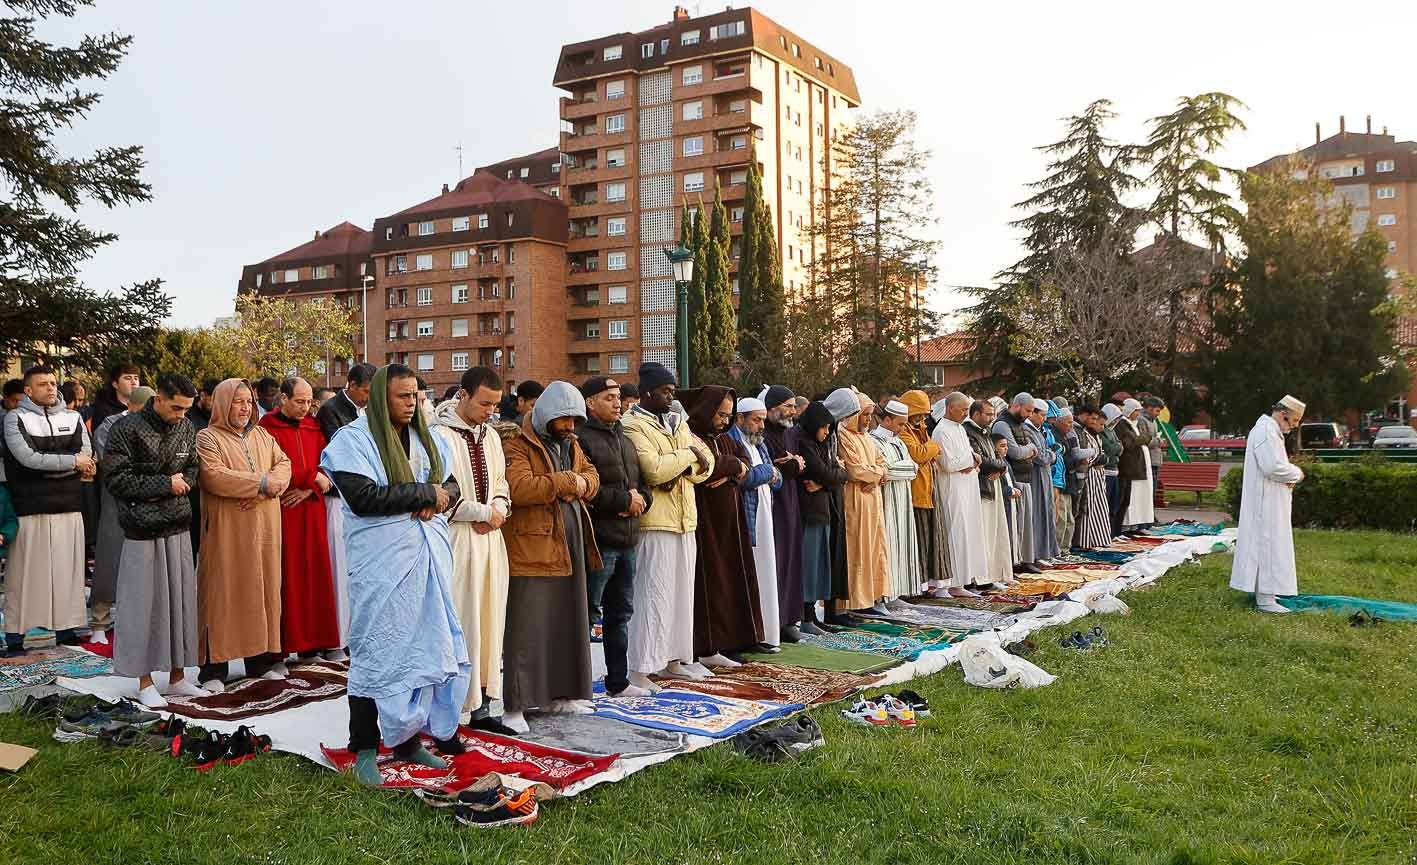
(759, 488)
(1021, 453)
(781, 405)
(901, 546)
(998, 553)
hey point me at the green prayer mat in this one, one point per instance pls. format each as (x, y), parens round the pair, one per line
(1393, 611)
(935, 638)
(818, 658)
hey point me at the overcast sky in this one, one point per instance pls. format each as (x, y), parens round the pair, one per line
(265, 121)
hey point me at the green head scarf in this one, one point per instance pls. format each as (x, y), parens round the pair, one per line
(386, 438)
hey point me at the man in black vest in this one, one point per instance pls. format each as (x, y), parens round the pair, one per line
(48, 458)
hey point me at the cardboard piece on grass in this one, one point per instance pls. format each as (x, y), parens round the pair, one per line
(14, 757)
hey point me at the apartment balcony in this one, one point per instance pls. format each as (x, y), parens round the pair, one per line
(587, 242)
(722, 85)
(599, 207)
(571, 141)
(715, 159)
(584, 273)
(577, 109)
(597, 173)
(584, 310)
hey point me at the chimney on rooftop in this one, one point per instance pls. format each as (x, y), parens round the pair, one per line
(1370, 124)
(1341, 124)
(317, 234)
(680, 14)
(1317, 137)
(445, 189)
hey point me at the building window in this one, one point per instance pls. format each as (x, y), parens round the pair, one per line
(735, 285)
(740, 142)
(615, 158)
(615, 123)
(647, 50)
(736, 214)
(510, 217)
(259, 278)
(511, 322)
(425, 328)
(615, 261)
(1387, 192)
(459, 361)
(818, 62)
(389, 233)
(619, 363)
(614, 192)
(292, 275)
(689, 37)
(738, 106)
(726, 31)
(737, 178)
(426, 228)
(693, 75)
(460, 293)
(525, 173)
(481, 220)
(592, 330)
(511, 288)
(614, 90)
(615, 226)
(1385, 165)
(796, 50)
(399, 264)
(1391, 273)
(612, 52)
(1387, 219)
(511, 253)
(620, 329)
(424, 262)
(459, 258)
(460, 223)
(459, 327)
(694, 182)
(694, 110)
(618, 294)
(694, 146)
(425, 362)
(425, 296)
(324, 271)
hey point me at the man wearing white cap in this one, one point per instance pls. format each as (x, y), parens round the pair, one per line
(1135, 470)
(757, 488)
(957, 465)
(1264, 550)
(902, 548)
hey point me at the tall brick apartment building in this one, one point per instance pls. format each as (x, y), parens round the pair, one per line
(551, 265)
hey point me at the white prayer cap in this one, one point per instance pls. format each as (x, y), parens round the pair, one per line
(750, 403)
(896, 407)
(1130, 405)
(1295, 407)
(937, 410)
(1111, 412)
(1040, 405)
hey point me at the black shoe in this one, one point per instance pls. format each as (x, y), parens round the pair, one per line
(1031, 568)
(790, 634)
(490, 725)
(914, 701)
(766, 649)
(739, 657)
(243, 745)
(452, 746)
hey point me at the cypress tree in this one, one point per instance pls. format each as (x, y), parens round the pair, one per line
(721, 343)
(696, 239)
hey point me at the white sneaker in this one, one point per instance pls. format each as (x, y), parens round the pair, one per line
(214, 686)
(151, 698)
(185, 688)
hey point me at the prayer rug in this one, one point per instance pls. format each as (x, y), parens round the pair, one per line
(692, 713)
(43, 666)
(1042, 588)
(780, 683)
(308, 682)
(721, 685)
(864, 641)
(933, 638)
(102, 649)
(587, 734)
(1186, 528)
(987, 603)
(1393, 611)
(951, 618)
(820, 658)
(486, 752)
(1113, 557)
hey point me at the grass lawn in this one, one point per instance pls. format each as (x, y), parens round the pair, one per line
(1204, 733)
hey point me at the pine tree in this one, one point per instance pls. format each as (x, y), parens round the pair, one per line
(44, 310)
(722, 337)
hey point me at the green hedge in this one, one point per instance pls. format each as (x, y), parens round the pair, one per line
(1372, 494)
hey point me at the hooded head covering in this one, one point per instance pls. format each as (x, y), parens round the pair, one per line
(896, 408)
(1050, 410)
(1130, 405)
(916, 402)
(815, 416)
(702, 404)
(560, 399)
(391, 453)
(221, 406)
(937, 410)
(1000, 404)
(842, 403)
(1064, 411)
(1061, 402)
(775, 395)
(749, 403)
(1111, 413)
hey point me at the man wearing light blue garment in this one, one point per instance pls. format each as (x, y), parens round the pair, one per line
(409, 670)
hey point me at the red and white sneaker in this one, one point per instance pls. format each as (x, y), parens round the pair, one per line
(867, 713)
(897, 710)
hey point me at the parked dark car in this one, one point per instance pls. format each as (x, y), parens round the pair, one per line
(1322, 434)
(1396, 437)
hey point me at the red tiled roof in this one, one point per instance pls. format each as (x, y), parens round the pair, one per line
(947, 348)
(538, 167)
(344, 239)
(482, 188)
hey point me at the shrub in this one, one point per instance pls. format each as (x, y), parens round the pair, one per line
(1371, 494)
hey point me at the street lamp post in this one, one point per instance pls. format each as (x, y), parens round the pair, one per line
(681, 260)
(364, 314)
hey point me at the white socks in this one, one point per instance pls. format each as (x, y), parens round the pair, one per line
(682, 670)
(100, 637)
(1267, 603)
(516, 721)
(336, 655)
(632, 691)
(277, 672)
(151, 698)
(717, 660)
(961, 592)
(214, 686)
(642, 682)
(185, 688)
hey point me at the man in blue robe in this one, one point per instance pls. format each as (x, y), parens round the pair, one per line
(408, 669)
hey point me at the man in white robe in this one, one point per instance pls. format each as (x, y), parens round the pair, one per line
(902, 548)
(1264, 549)
(957, 464)
(757, 489)
(480, 572)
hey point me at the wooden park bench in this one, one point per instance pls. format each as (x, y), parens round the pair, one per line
(1197, 477)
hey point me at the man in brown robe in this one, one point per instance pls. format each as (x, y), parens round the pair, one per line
(727, 616)
(242, 475)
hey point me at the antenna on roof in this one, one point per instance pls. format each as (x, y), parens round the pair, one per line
(459, 150)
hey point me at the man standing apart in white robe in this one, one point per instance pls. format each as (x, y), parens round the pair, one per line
(957, 464)
(901, 545)
(1264, 550)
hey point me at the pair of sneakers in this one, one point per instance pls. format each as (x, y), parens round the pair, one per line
(1085, 642)
(882, 711)
(487, 804)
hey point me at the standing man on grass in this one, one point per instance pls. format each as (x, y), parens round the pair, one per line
(1264, 550)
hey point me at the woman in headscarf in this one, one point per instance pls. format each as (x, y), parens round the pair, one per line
(1134, 468)
(822, 474)
(867, 564)
(242, 475)
(727, 612)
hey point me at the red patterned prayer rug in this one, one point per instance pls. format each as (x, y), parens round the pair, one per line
(486, 752)
(309, 682)
(775, 682)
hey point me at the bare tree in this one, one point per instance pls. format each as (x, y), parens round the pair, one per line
(1100, 311)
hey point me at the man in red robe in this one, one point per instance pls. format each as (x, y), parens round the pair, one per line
(309, 622)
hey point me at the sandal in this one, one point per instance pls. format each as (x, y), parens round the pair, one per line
(122, 736)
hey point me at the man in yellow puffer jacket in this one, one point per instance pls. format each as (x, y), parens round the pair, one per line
(672, 460)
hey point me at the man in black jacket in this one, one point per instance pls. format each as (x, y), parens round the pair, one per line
(348, 404)
(150, 466)
(615, 512)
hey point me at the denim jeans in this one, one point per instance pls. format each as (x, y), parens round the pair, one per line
(612, 590)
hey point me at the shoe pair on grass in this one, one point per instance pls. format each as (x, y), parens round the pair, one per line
(784, 742)
(903, 709)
